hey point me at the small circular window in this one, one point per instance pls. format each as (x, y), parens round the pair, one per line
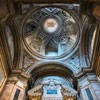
(50, 25)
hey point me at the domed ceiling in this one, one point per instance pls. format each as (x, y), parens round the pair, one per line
(50, 32)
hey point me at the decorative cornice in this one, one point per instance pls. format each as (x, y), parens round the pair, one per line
(12, 79)
(25, 75)
(55, 1)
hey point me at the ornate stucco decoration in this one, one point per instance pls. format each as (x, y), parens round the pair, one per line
(50, 32)
(52, 89)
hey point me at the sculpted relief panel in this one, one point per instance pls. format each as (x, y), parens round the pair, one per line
(52, 89)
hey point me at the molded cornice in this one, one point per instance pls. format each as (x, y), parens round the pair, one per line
(54, 1)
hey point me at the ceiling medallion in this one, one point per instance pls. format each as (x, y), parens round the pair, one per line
(50, 33)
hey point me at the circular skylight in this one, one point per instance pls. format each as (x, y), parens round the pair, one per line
(50, 25)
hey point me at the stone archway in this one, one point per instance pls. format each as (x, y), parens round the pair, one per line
(38, 92)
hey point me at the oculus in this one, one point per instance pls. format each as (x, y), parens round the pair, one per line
(50, 25)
